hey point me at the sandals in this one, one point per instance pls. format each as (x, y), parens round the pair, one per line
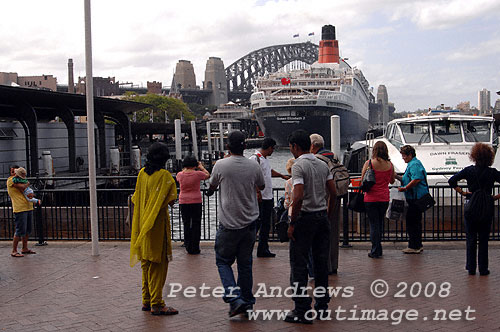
(146, 307)
(28, 252)
(16, 254)
(166, 311)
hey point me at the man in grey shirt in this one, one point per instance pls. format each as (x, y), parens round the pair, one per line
(309, 226)
(237, 178)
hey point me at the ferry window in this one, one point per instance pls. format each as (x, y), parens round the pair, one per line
(388, 131)
(396, 135)
(415, 132)
(446, 132)
(477, 131)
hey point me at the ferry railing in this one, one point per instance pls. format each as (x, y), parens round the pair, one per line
(64, 215)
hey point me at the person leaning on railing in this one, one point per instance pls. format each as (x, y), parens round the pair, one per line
(479, 176)
(414, 185)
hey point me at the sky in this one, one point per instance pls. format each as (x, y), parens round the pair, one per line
(425, 52)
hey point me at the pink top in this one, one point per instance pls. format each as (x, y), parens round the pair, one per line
(190, 186)
(380, 190)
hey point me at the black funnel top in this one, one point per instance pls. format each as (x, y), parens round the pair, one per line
(328, 32)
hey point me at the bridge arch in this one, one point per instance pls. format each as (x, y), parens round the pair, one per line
(242, 74)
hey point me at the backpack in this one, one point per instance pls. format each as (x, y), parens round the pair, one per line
(339, 172)
(479, 207)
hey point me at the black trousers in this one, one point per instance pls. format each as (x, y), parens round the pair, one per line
(264, 225)
(312, 230)
(475, 231)
(191, 218)
(414, 225)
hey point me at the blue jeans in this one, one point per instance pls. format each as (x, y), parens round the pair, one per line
(376, 214)
(231, 245)
(312, 230)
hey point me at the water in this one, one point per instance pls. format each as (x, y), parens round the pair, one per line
(278, 162)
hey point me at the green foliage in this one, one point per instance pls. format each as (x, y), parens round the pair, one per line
(160, 104)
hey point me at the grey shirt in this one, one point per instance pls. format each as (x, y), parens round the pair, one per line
(313, 174)
(237, 178)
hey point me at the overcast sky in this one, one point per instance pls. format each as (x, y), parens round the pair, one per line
(425, 52)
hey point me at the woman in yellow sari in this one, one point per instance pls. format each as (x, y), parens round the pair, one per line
(150, 240)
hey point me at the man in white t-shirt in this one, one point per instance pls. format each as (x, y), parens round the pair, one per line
(236, 177)
(265, 196)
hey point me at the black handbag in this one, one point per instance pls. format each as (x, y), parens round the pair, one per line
(425, 202)
(281, 227)
(368, 179)
(356, 202)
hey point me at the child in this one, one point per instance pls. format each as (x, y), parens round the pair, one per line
(28, 192)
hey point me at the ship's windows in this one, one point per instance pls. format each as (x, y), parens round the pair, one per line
(415, 132)
(477, 131)
(446, 132)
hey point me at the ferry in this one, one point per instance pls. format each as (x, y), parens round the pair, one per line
(442, 142)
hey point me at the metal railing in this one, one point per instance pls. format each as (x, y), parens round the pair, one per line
(65, 215)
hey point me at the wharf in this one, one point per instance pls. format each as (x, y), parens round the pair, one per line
(64, 288)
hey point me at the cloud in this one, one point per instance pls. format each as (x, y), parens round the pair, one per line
(442, 14)
(474, 52)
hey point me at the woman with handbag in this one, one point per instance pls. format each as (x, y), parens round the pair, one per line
(377, 197)
(478, 223)
(414, 185)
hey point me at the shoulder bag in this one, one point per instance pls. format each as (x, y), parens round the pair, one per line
(425, 202)
(368, 179)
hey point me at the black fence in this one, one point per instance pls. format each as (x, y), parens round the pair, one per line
(65, 214)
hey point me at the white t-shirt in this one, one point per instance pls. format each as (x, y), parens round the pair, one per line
(265, 167)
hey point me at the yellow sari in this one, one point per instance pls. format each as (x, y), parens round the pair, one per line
(151, 221)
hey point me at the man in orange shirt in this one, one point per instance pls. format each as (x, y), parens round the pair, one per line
(23, 214)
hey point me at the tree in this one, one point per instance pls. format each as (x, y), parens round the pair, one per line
(160, 104)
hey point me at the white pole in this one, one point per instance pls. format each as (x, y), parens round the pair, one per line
(229, 128)
(194, 137)
(221, 144)
(335, 135)
(209, 138)
(89, 87)
(178, 147)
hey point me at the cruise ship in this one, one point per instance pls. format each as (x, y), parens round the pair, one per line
(307, 98)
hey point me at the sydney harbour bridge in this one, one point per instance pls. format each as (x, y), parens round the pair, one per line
(243, 73)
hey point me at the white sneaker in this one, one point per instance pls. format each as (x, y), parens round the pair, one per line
(412, 251)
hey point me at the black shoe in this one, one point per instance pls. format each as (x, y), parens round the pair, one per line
(266, 254)
(484, 273)
(334, 271)
(472, 272)
(294, 317)
(237, 307)
(372, 255)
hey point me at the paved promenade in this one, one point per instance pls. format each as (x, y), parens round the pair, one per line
(64, 288)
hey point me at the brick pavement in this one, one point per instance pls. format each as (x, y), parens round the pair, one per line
(64, 288)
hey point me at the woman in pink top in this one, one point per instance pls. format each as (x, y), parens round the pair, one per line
(377, 198)
(190, 201)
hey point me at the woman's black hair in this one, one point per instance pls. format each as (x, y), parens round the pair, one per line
(190, 161)
(156, 158)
